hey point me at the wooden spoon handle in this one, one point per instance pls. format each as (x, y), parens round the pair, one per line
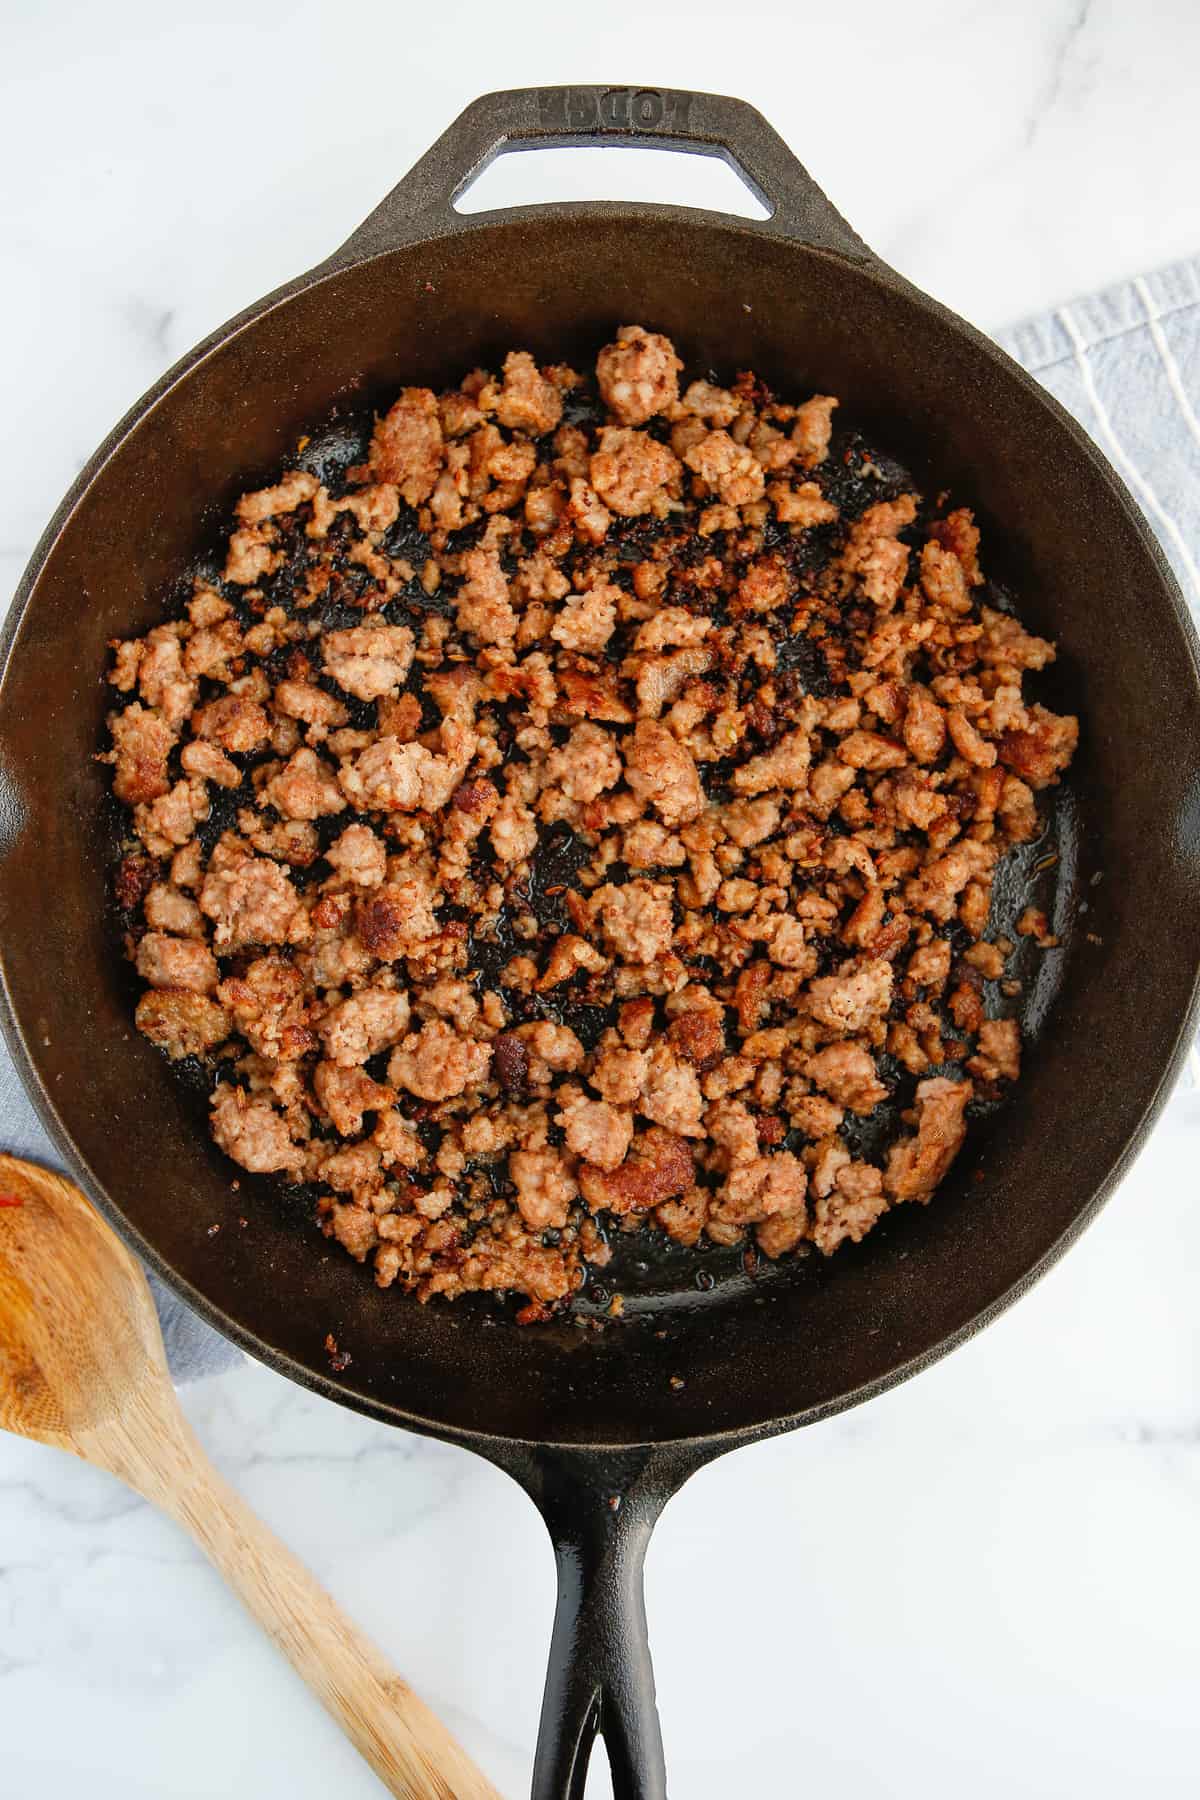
(407, 1746)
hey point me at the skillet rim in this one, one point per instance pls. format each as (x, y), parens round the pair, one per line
(701, 1446)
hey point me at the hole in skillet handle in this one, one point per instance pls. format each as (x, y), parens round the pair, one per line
(542, 176)
(423, 204)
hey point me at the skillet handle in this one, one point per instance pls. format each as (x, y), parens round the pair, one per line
(422, 204)
(600, 1513)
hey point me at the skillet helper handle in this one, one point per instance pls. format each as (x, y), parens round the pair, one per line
(406, 1745)
(422, 204)
(600, 1677)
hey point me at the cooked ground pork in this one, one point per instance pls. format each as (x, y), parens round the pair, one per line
(580, 817)
(638, 376)
(250, 1130)
(369, 660)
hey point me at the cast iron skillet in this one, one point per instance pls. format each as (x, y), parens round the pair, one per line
(590, 1422)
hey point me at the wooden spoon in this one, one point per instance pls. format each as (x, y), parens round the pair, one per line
(82, 1367)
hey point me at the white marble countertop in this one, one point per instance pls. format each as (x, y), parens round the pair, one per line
(987, 1582)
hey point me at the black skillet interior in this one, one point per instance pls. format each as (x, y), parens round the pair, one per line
(418, 295)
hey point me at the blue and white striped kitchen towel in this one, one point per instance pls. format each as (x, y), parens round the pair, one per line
(1126, 362)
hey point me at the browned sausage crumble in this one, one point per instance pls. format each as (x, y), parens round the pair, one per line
(582, 816)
